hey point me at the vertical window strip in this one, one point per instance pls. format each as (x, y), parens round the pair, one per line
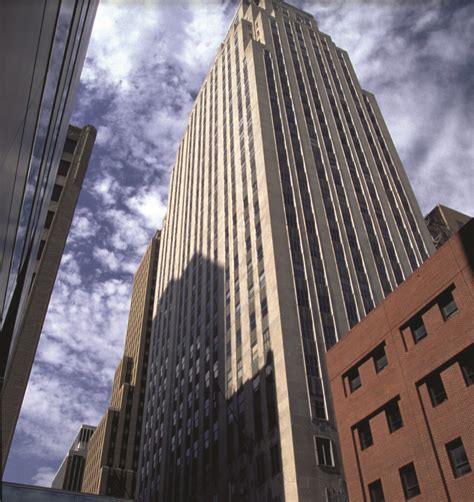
(342, 198)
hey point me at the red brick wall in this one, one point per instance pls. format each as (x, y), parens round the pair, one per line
(426, 429)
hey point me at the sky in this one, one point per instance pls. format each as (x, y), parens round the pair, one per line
(145, 64)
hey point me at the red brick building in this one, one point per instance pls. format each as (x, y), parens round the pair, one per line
(402, 383)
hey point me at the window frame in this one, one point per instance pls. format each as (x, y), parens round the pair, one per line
(413, 490)
(457, 467)
(324, 442)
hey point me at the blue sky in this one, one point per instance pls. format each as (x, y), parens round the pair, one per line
(146, 62)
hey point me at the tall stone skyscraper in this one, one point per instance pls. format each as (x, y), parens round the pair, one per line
(112, 459)
(290, 217)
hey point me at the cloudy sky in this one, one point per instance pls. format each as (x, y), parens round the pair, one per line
(145, 64)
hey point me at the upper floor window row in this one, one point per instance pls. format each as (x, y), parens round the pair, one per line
(379, 357)
(447, 306)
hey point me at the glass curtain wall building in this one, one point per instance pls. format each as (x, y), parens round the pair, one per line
(290, 217)
(43, 46)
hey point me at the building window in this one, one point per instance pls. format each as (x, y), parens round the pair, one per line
(409, 480)
(354, 379)
(63, 167)
(324, 452)
(394, 417)
(447, 305)
(466, 361)
(380, 358)
(260, 469)
(365, 435)
(275, 460)
(418, 329)
(458, 458)
(376, 491)
(57, 189)
(436, 389)
(70, 145)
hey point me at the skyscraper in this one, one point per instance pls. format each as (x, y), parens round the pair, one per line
(290, 217)
(42, 46)
(112, 458)
(43, 265)
(70, 473)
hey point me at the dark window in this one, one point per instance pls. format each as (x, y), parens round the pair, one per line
(466, 361)
(253, 322)
(436, 389)
(418, 329)
(260, 469)
(365, 435)
(409, 481)
(354, 379)
(380, 358)
(394, 417)
(40, 249)
(49, 219)
(376, 491)
(63, 167)
(57, 189)
(264, 307)
(447, 305)
(458, 458)
(275, 459)
(70, 145)
(324, 451)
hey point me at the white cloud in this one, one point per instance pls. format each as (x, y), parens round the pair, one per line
(44, 476)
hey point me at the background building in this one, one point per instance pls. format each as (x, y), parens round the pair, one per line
(70, 473)
(290, 217)
(43, 45)
(113, 452)
(13, 492)
(43, 265)
(402, 383)
(443, 222)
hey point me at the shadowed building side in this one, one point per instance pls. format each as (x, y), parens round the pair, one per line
(60, 212)
(113, 452)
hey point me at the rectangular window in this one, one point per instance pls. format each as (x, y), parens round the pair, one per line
(260, 469)
(264, 307)
(365, 435)
(353, 378)
(57, 189)
(458, 458)
(324, 452)
(466, 361)
(418, 329)
(447, 305)
(275, 460)
(376, 491)
(380, 358)
(394, 417)
(436, 389)
(409, 481)
(70, 145)
(63, 167)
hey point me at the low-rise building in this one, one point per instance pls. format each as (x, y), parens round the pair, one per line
(402, 383)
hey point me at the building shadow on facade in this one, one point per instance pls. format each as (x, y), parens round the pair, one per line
(210, 428)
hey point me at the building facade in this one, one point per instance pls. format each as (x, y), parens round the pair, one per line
(70, 473)
(113, 452)
(443, 222)
(403, 385)
(43, 265)
(290, 217)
